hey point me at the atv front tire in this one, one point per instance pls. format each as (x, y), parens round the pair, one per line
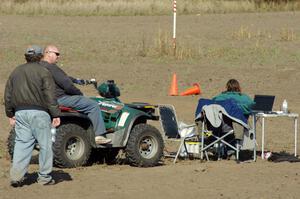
(145, 146)
(71, 147)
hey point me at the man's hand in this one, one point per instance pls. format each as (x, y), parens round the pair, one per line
(56, 122)
(12, 121)
(80, 81)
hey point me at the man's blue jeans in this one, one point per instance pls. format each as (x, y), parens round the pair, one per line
(32, 125)
(88, 107)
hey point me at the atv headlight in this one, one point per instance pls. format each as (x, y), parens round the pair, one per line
(109, 89)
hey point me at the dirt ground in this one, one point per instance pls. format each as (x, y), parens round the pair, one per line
(260, 50)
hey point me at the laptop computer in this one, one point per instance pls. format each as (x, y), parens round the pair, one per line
(263, 103)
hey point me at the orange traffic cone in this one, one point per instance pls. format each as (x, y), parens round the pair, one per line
(174, 87)
(195, 90)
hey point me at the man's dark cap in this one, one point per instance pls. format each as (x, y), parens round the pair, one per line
(34, 50)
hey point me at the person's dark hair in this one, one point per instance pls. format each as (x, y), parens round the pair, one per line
(233, 86)
(33, 58)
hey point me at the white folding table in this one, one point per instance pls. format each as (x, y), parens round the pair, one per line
(263, 116)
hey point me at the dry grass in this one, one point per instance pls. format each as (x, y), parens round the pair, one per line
(249, 42)
(287, 34)
(2, 150)
(163, 47)
(139, 7)
(244, 33)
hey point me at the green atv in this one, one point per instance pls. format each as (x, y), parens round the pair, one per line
(74, 139)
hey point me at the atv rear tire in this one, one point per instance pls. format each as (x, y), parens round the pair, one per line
(71, 147)
(145, 146)
(11, 142)
(11, 147)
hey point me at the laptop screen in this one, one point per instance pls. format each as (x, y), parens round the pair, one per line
(263, 103)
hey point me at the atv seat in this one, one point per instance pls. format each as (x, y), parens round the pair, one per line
(67, 109)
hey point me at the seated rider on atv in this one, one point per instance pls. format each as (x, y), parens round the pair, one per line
(70, 96)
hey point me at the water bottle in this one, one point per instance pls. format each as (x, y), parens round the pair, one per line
(53, 134)
(284, 107)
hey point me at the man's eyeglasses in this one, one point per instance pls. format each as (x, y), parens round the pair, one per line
(56, 53)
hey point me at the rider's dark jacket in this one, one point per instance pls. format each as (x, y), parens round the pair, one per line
(64, 84)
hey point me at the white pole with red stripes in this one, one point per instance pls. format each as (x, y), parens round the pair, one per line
(174, 26)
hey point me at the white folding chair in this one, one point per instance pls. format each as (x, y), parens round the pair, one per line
(176, 131)
(225, 131)
(187, 132)
(218, 139)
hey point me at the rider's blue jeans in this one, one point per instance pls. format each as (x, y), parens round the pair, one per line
(88, 107)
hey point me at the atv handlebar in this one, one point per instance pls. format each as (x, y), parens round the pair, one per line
(91, 81)
(107, 89)
(85, 82)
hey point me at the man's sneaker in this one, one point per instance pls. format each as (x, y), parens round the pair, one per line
(102, 140)
(16, 184)
(51, 182)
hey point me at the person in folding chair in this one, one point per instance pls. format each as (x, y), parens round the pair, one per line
(226, 117)
(234, 92)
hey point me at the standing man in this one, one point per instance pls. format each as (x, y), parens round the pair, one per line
(29, 105)
(70, 96)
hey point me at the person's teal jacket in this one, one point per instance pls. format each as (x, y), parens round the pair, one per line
(242, 100)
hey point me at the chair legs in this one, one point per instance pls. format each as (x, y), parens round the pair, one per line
(237, 152)
(182, 144)
(219, 140)
(204, 148)
(179, 149)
